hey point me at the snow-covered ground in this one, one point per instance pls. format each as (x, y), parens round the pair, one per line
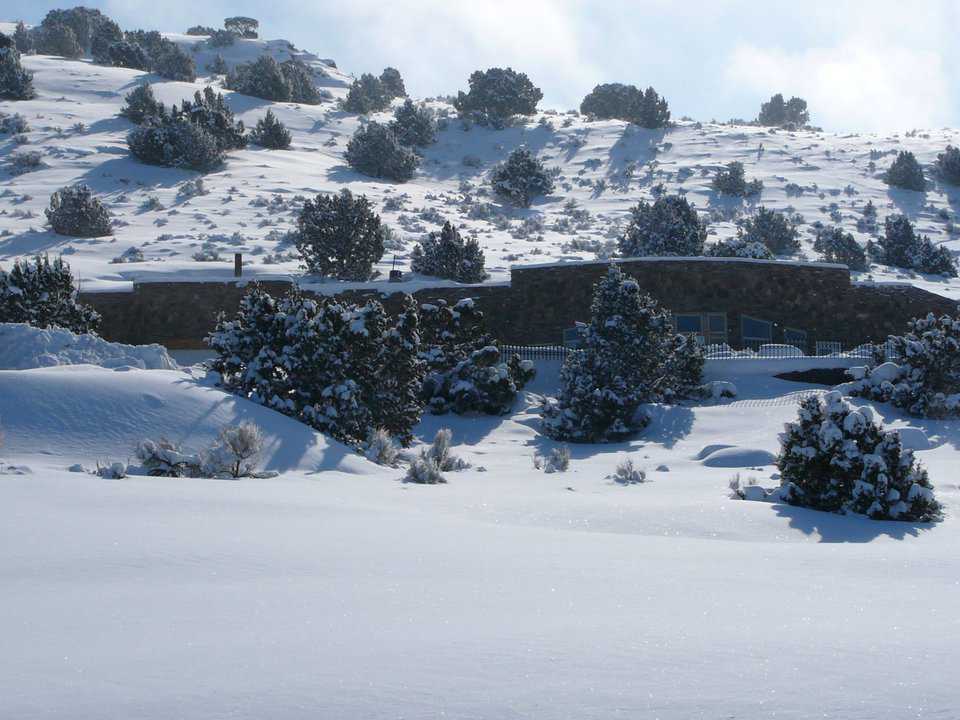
(605, 168)
(336, 590)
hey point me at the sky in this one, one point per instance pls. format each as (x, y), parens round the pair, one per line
(876, 65)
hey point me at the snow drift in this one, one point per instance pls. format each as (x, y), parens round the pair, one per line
(23, 347)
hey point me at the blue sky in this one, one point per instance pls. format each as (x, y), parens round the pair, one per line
(877, 65)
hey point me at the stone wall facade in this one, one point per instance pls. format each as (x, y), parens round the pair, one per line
(817, 300)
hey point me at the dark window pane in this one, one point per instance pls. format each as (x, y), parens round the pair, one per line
(757, 329)
(718, 323)
(688, 323)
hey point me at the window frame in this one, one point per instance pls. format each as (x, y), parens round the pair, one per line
(744, 338)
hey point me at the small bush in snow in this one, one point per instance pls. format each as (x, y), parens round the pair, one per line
(423, 470)
(15, 82)
(739, 247)
(558, 460)
(218, 66)
(381, 448)
(414, 125)
(771, 228)
(392, 83)
(173, 63)
(948, 165)
(441, 454)
(521, 178)
(236, 451)
(42, 294)
(901, 246)
(630, 356)
(905, 172)
(670, 226)
(24, 162)
(128, 55)
(113, 471)
(210, 111)
(141, 104)
(840, 459)
(22, 38)
(76, 212)
(627, 474)
(446, 254)
(270, 133)
(13, 124)
(340, 236)
(367, 95)
(732, 180)
(175, 142)
(838, 246)
(496, 95)
(163, 458)
(627, 102)
(791, 114)
(130, 255)
(375, 151)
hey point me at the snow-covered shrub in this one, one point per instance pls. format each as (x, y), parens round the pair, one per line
(441, 454)
(242, 26)
(905, 172)
(791, 114)
(24, 162)
(732, 180)
(42, 294)
(76, 212)
(55, 38)
(374, 150)
(627, 474)
(236, 451)
(838, 458)
(558, 460)
(414, 124)
(340, 236)
(381, 448)
(739, 247)
(446, 254)
(22, 38)
(173, 63)
(270, 133)
(141, 104)
(221, 39)
(15, 82)
(113, 471)
(367, 95)
(771, 228)
(128, 55)
(13, 124)
(130, 255)
(670, 226)
(300, 79)
(496, 95)
(926, 382)
(175, 142)
(838, 246)
(197, 30)
(465, 371)
(262, 78)
(218, 66)
(91, 29)
(948, 165)
(340, 368)
(630, 355)
(210, 111)
(163, 458)
(627, 102)
(901, 246)
(521, 178)
(392, 83)
(423, 470)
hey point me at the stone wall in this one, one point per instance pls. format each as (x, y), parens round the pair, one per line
(541, 301)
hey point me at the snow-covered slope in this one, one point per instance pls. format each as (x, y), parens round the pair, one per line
(605, 168)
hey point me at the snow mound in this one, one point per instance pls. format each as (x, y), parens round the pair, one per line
(91, 415)
(913, 438)
(23, 347)
(732, 456)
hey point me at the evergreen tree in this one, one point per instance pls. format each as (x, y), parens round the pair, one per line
(392, 83)
(244, 27)
(777, 113)
(613, 100)
(141, 104)
(128, 55)
(263, 78)
(218, 66)
(732, 180)
(838, 246)
(42, 294)
(340, 236)
(838, 458)
(521, 178)
(15, 82)
(300, 81)
(948, 165)
(653, 111)
(905, 172)
(772, 229)
(271, 133)
(496, 95)
(902, 247)
(22, 38)
(630, 355)
(446, 254)
(738, 247)
(414, 125)
(175, 142)
(367, 95)
(173, 63)
(104, 35)
(670, 226)
(210, 111)
(397, 402)
(74, 211)
(375, 151)
(57, 39)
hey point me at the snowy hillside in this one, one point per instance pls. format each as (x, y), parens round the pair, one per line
(604, 168)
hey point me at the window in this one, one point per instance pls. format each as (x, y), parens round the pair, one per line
(573, 337)
(755, 331)
(688, 324)
(795, 337)
(710, 328)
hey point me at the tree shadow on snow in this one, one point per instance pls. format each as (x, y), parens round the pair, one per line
(908, 202)
(833, 528)
(127, 173)
(39, 243)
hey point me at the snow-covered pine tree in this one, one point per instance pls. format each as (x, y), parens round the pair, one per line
(777, 113)
(771, 228)
(838, 246)
(670, 226)
(905, 172)
(340, 236)
(738, 247)
(900, 246)
(414, 124)
(521, 178)
(446, 254)
(140, 104)
(218, 66)
(465, 369)
(243, 27)
(270, 133)
(76, 212)
(948, 165)
(366, 95)
(612, 100)
(210, 112)
(838, 458)
(22, 38)
(175, 142)
(732, 180)
(375, 151)
(15, 82)
(56, 38)
(397, 403)
(42, 294)
(262, 78)
(653, 111)
(173, 63)
(496, 95)
(630, 355)
(300, 81)
(128, 55)
(392, 83)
